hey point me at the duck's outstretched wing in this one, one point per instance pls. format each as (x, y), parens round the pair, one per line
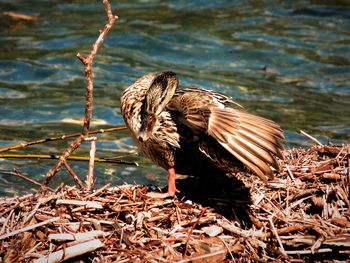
(253, 140)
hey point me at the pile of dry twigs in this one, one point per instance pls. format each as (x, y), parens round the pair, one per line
(301, 215)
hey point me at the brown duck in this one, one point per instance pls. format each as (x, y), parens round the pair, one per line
(195, 131)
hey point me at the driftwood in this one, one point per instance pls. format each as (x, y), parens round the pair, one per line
(302, 215)
(19, 16)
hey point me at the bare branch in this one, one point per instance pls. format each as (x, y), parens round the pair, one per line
(74, 175)
(58, 138)
(87, 61)
(71, 157)
(90, 176)
(311, 137)
(25, 177)
(63, 158)
(88, 92)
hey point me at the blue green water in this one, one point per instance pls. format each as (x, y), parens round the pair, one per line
(304, 47)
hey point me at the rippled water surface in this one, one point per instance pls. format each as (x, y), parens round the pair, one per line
(286, 60)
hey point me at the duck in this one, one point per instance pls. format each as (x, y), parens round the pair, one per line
(192, 130)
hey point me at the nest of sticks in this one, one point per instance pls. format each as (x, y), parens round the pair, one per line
(302, 215)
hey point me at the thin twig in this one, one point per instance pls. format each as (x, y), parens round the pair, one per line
(228, 249)
(30, 227)
(20, 16)
(87, 61)
(76, 178)
(86, 204)
(29, 217)
(277, 236)
(58, 138)
(6, 221)
(291, 174)
(349, 170)
(308, 251)
(25, 177)
(63, 158)
(311, 137)
(71, 158)
(90, 176)
(202, 257)
(191, 230)
(77, 236)
(98, 191)
(123, 236)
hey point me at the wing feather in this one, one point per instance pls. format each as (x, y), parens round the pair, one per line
(253, 140)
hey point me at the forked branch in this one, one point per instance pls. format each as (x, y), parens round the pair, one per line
(87, 61)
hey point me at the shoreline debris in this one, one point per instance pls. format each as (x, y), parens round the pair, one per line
(303, 214)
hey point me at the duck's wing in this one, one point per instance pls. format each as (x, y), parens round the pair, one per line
(253, 140)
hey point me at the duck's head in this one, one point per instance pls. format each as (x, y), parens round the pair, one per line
(160, 92)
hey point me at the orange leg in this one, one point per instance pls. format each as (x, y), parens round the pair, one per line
(171, 186)
(171, 182)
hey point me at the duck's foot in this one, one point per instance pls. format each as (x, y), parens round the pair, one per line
(171, 187)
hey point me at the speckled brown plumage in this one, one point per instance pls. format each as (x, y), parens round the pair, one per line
(194, 129)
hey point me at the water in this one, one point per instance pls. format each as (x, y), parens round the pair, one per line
(303, 45)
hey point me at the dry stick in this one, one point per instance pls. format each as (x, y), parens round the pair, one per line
(62, 159)
(78, 236)
(88, 66)
(202, 257)
(72, 251)
(289, 229)
(87, 204)
(20, 16)
(291, 174)
(97, 192)
(16, 173)
(72, 158)
(309, 251)
(76, 178)
(123, 236)
(29, 217)
(2, 230)
(90, 176)
(191, 230)
(278, 237)
(58, 138)
(349, 170)
(311, 137)
(88, 92)
(30, 227)
(228, 249)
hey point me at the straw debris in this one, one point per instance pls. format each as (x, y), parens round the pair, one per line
(303, 214)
